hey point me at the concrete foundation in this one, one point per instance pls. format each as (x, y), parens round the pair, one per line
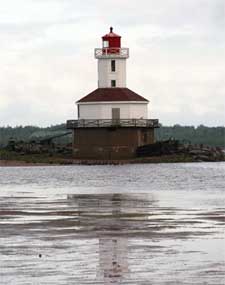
(110, 143)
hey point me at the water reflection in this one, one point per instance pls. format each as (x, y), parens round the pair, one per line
(110, 238)
(113, 259)
(112, 216)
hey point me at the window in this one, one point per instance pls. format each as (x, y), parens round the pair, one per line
(105, 44)
(113, 83)
(78, 111)
(113, 65)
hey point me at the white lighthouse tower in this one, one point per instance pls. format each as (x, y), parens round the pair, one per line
(112, 120)
(111, 62)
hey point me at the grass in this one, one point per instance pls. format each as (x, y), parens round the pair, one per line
(61, 159)
(33, 158)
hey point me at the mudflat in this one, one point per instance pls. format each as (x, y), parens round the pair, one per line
(124, 224)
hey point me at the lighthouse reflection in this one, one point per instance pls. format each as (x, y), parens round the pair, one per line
(112, 218)
(113, 259)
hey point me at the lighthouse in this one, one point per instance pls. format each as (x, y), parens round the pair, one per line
(112, 120)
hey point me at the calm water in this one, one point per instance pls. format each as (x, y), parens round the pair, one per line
(131, 224)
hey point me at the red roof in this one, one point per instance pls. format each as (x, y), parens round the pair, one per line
(112, 94)
(111, 34)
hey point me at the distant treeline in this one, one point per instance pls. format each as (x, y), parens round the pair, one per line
(31, 133)
(212, 136)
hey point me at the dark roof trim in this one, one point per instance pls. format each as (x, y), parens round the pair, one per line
(112, 94)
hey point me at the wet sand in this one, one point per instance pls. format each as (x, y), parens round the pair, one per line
(68, 236)
(11, 163)
(89, 239)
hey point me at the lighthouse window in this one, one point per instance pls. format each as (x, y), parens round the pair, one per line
(78, 111)
(105, 44)
(113, 65)
(113, 83)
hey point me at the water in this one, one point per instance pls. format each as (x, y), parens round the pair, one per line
(130, 224)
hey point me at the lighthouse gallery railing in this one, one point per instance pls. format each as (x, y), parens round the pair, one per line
(111, 52)
(83, 123)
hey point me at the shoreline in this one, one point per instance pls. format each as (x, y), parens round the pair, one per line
(22, 162)
(18, 163)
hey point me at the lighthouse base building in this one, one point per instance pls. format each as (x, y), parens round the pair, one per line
(110, 143)
(112, 123)
(112, 120)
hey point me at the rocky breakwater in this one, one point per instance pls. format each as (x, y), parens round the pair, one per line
(203, 153)
(175, 147)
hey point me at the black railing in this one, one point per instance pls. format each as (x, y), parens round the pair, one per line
(103, 123)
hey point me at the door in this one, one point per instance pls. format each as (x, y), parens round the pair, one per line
(115, 116)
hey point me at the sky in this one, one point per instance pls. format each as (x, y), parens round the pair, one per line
(177, 57)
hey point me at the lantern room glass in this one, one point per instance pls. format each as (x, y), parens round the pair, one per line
(105, 44)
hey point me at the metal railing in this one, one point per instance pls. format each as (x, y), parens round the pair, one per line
(103, 123)
(111, 52)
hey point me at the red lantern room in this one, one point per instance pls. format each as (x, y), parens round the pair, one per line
(111, 42)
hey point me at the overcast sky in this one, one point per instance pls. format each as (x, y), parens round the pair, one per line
(177, 57)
